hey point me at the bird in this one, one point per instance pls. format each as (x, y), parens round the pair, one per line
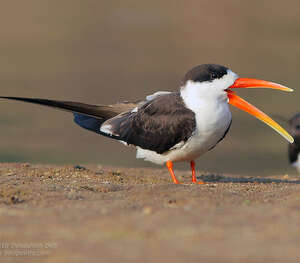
(294, 148)
(168, 127)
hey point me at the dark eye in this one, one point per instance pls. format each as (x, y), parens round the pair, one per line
(213, 75)
(298, 127)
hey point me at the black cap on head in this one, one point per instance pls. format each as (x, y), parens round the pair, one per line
(205, 72)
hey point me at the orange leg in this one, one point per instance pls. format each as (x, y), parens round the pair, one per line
(194, 179)
(170, 168)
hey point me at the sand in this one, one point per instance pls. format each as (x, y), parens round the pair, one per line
(110, 214)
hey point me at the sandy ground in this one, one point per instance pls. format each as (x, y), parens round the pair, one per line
(109, 214)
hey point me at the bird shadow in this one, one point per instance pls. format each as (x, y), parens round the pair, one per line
(212, 178)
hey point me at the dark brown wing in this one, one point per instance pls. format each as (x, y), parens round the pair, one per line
(157, 125)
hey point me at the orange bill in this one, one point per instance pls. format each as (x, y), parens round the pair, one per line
(244, 105)
(257, 83)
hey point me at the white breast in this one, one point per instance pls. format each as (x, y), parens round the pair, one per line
(212, 123)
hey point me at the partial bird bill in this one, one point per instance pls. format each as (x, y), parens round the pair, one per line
(240, 103)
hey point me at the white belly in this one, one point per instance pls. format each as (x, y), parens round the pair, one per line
(212, 121)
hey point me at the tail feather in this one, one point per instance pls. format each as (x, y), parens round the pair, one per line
(87, 116)
(100, 111)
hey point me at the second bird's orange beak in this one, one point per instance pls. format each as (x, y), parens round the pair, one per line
(244, 105)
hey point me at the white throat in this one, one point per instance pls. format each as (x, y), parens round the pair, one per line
(195, 94)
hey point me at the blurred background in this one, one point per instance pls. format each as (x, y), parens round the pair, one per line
(106, 51)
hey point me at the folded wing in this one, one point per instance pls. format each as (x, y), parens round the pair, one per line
(156, 125)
